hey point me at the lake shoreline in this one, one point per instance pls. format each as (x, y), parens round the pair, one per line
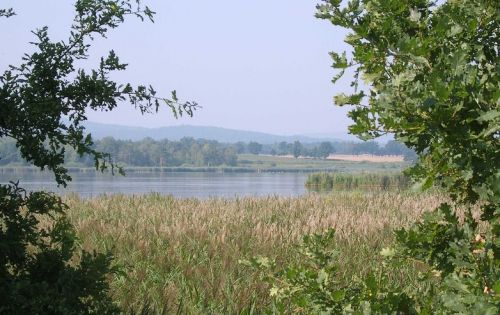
(194, 169)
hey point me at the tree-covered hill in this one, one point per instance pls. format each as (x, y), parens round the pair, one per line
(100, 131)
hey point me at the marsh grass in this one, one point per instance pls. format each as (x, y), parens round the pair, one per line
(330, 181)
(182, 254)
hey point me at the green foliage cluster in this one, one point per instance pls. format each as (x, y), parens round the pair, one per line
(433, 77)
(40, 270)
(432, 80)
(313, 286)
(254, 147)
(465, 261)
(330, 181)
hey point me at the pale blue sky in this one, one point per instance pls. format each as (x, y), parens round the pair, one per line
(258, 65)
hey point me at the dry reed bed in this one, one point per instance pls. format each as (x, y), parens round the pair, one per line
(186, 251)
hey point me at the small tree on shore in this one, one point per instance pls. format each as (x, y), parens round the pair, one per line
(254, 147)
(297, 149)
(325, 149)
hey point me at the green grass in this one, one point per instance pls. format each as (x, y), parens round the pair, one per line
(183, 253)
(280, 162)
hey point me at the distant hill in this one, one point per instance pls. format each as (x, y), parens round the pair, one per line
(224, 135)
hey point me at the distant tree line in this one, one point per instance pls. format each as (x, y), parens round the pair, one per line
(191, 152)
(146, 152)
(324, 149)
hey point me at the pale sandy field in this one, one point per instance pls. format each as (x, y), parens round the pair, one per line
(367, 158)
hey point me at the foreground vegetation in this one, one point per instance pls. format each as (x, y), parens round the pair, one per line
(437, 99)
(185, 253)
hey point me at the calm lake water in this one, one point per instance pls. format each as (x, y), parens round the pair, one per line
(185, 184)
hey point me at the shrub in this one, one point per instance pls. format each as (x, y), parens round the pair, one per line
(312, 287)
(40, 269)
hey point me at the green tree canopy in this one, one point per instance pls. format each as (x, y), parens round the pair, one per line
(254, 147)
(297, 149)
(324, 149)
(432, 76)
(432, 79)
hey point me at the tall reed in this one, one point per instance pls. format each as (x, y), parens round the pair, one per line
(384, 181)
(182, 254)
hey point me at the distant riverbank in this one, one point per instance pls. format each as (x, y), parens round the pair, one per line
(193, 169)
(249, 163)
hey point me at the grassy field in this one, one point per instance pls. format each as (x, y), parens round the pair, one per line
(183, 254)
(282, 162)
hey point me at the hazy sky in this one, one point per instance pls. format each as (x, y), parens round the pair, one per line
(258, 65)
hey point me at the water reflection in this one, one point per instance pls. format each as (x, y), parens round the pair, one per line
(180, 184)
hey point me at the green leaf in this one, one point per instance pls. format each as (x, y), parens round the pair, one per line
(496, 288)
(341, 99)
(487, 132)
(457, 283)
(424, 184)
(339, 61)
(370, 77)
(371, 283)
(490, 115)
(352, 39)
(353, 99)
(454, 30)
